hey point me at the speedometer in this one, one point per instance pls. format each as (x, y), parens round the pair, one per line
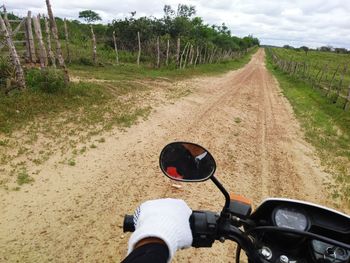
(290, 218)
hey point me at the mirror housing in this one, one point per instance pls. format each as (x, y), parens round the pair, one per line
(186, 162)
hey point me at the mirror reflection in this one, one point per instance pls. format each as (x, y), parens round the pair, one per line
(187, 162)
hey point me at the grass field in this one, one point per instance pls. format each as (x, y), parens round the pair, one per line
(326, 125)
(325, 69)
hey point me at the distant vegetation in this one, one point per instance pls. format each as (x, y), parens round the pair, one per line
(322, 48)
(177, 23)
(181, 23)
(328, 71)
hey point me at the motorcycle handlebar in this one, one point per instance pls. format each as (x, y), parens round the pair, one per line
(203, 226)
(128, 225)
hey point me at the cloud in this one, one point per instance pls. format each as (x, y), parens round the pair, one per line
(298, 22)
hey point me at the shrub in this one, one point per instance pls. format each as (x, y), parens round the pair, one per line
(49, 80)
(85, 61)
(6, 71)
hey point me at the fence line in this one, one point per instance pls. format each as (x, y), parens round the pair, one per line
(161, 51)
(304, 71)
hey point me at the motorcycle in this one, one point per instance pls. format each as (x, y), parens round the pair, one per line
(279, 230)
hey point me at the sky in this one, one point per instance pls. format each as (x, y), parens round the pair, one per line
(313, 23)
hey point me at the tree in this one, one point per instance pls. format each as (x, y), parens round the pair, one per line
(186, 10)
(325, 48)
(305, 48)
(89, 16)
(288, 47)
(340, 50)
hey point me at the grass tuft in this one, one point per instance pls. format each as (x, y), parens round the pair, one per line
(24, 178)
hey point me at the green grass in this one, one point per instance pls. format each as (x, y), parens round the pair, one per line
(326, 126)
(20, 108)
(24, 178)
(129, 71)
(237, 120)
(71, 162)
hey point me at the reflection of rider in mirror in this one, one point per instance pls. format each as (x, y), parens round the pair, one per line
(187, 161)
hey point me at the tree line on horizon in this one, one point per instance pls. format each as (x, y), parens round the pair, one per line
(180, 23)
(322, 48)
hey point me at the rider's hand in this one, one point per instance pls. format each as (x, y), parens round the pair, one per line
(166, 219)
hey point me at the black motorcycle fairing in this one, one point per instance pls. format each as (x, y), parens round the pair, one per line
(323, 221)
(328, 227)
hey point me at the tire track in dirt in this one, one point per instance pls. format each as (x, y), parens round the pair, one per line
(74, 214)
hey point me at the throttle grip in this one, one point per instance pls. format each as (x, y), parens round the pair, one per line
(128, 225)
(203, 226)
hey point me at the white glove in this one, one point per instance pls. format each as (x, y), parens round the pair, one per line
(166, 219)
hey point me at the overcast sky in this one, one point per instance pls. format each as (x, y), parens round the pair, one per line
(278, 22)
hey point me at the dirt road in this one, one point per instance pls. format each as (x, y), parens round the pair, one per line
(74, 214)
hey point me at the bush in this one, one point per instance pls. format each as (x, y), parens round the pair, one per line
(6, 71)
(49, 80)
(85, 61)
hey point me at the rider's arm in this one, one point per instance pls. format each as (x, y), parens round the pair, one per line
(161, 227)
(149, 250)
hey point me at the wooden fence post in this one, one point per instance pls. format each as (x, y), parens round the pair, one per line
(342, 77)
(212, 55)
(347, 103)
(182, 54)
(14, 56)
(197, 56)
(27, 53)
(192, 55)
(115, 48)
(42, 50)
(94, 48)
(158, 53)
(205, 54)
(167, 52)
(187, 54)
(323, 71)
(178, 53)
(48, 41)
(33, 58)
(316, 77)
(139, 54)
(67, 41)
(58, 44)
(6, 20)
(331, 83)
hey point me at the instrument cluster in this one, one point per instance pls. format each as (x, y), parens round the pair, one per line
(297, 219)
(291, 218)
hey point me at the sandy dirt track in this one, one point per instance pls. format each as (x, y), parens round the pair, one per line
(75, 214)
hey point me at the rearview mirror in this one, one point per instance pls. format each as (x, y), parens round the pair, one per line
(186, 162)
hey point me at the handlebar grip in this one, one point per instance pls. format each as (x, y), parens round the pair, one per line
(128, 225)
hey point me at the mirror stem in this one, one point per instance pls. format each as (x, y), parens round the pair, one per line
(223, 190)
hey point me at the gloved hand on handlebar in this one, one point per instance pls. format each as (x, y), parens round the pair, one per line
(166, 219)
